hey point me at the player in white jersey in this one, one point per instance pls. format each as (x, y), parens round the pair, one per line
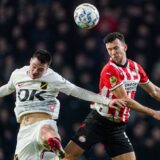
(37, 87)
(119, 79)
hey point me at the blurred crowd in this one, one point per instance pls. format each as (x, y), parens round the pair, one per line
(78, 55)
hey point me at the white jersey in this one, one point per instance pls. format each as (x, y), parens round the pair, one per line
(36, 95)
(39, 95)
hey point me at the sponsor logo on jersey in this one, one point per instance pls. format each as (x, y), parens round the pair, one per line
(44, 85)
(113, 80)
(52, 107)
(20, 85)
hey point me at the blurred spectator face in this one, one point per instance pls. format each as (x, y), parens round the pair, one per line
(16, 32)
(63, 28)
(21, 44)
(40, 45)
(60, 46)
(22, 18)
(140, 129)
(37, 69)
(143, 30)
(3, 45)
(1, 154)
(57, 60)
(57, 11)
(41, 23)
(156, 134)
(123, 25)
(81, 60)
(68, 73)
(90, 44)
(4, 114)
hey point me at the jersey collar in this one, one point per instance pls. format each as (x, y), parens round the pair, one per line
(119, 65)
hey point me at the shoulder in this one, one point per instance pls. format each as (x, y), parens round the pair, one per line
(135, 65)
(52, 75)
(109, 67)
(20, 70)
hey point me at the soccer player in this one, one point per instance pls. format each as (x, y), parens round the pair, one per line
(119, 79)
(37, 87)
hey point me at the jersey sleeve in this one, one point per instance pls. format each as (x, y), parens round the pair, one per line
(64, 86)
(110, 77)
(7, 88)
(61, 84)
(143, 76)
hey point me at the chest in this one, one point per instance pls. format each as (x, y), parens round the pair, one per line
(130, 78)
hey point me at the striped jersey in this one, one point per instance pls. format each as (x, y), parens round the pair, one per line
(112, 76)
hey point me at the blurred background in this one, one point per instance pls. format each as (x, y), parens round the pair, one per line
(78, 55)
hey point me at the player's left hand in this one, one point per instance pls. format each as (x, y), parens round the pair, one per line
(114, 103)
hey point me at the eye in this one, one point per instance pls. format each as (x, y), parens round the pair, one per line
(116, 48)
(40, 69)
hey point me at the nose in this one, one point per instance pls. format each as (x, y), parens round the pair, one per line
(113, 52)
(35, 71)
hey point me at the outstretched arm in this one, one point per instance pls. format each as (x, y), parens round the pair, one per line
(120, 92)
(89, 96)
(6, 90)
(86, 95)
(141, 108)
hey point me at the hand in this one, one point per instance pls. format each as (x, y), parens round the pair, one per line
(114, 103)
(156, 115)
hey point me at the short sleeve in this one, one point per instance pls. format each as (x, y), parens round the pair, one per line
(143, 75)
(110, 77)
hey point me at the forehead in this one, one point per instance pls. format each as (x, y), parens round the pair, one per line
(114, 43)
(35, 62)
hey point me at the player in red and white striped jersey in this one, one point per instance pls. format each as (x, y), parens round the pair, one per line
(127, 76)
(119, 79)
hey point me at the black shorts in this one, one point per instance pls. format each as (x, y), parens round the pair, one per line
(97, 129)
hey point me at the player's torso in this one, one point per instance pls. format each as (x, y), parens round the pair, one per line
(35, 95)
(128, 76)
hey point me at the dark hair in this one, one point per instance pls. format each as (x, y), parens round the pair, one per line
(112, 36)
(43, 56)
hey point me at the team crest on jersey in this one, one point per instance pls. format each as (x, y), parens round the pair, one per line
(44, 85)
(113, 80)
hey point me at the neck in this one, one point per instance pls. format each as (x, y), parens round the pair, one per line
(124, 61)
(123, 64)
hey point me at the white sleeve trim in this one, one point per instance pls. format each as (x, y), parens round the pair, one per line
(116, 86)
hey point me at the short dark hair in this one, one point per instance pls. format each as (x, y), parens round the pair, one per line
(43, 56)
(112, 36)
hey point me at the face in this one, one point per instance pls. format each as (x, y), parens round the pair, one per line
(37, 69)
(117, 51)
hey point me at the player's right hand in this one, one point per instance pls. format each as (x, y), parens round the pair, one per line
(114, 103)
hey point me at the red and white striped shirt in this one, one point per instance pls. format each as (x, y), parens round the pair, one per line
(112, 76)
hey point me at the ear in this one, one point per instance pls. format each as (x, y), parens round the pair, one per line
(125, 47)
(30, 61)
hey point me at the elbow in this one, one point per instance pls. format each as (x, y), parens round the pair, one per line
(153, 94)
